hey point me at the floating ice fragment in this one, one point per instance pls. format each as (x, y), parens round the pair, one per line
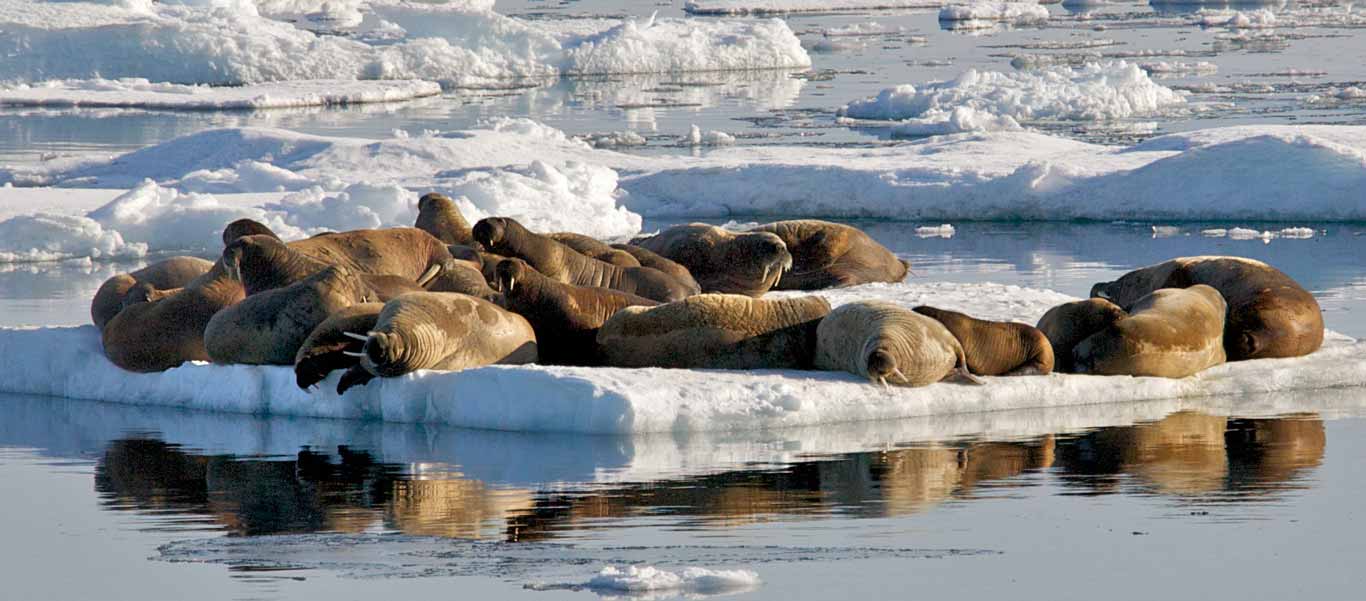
(936, 231)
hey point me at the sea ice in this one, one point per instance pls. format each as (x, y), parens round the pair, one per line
(981, 15)
(769, 7)
(141, 93)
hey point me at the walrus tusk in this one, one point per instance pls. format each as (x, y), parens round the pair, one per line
(353, 354)
(883, 379)
(766, 270)
(359, 337)
(897, 371)
(428, 276)
(512, 283)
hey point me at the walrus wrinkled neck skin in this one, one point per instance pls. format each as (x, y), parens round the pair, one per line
(509, 238)
(437, 215)
(266, 263)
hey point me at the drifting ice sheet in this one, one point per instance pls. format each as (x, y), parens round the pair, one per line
(612, 400)
(773, 7)
(141, 93)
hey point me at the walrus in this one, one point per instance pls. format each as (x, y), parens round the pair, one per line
(159, 335)
(459, 276)
(833, 255)
(748, 263)
(144, 292)
(246, 227)
(1269, 313)
(437, 215)
(441, 330)
(1170, 333)
(566, 318)
(174, 272)
(597, 249)
(268, 328)
(264, 263)
(327, 346)
(651, 259)
(716, 331)
(1069, 323)
(887, 343)
(557, 261)
(996, 348)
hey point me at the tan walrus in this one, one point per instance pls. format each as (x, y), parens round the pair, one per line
(405, 252)
(720, 260)
(329, 347)
(246, 227)
(437, 215)
(441, 330)
(996, 348)
(717, 331)
(566, 318)
(268, 328)
(1069, 323)
(653, 260)
(1269, 313)
(559, 262)
(887, 343)
(264, 263)
(1170, 333)
(163, 333)
(597, 249)
(833, 255)
(171, 273)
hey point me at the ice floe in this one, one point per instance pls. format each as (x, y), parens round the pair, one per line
(769, 7)
(650, 579)
(455, 44)
(68, 362)
(987, 14)
(141, 93)
(1094, 91)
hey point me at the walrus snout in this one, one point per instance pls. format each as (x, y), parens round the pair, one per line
(881, 365)
(141, 292)
(490, 231)
(384, 352)
(509, 272)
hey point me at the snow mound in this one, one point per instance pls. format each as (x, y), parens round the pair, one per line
(981, 15)
(771, 7)
(1095, 91)
(457, 45)
(141, 93)
(649, 579)
(68, 362)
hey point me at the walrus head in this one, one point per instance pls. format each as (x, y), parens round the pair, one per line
(385, 353)
(435, 202)
(491, 231)
(142, 292)
(882, 365)
(509, 272)
(246, 227)
(1101, 290)
(759, 258)
(262, 262)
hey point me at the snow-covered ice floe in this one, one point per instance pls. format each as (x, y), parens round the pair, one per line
(68, 362)
(1092, 92)
(455, 44)
(773, 7)
(141, 93)
(983, 15)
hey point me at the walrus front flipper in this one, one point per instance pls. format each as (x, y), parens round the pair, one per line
(356, 376)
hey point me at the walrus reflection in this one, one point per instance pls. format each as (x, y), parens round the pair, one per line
(1274, 454)
(454, 507)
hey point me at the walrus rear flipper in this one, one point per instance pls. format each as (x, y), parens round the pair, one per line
(961, 375)
(356, 376)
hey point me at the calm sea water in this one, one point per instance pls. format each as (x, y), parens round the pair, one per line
(1253, 498)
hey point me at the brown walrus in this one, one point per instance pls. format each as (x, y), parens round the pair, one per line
(1269, 313)
(1170, 333)
(887, 343)
(164, 333)
(174, 272)
(833, 255)
(327, 346)
(748, 263)
(1069, 323)
(264, 263)
(717, 331)
(566, 318)
(651, 259)
(246, 227)
(441, 330)
(459, 276)
(437, 215)
(559, 262)
(996, 348)
(597, 249)
(268, 328)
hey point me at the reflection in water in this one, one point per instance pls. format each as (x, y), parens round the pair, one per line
(1185, 455)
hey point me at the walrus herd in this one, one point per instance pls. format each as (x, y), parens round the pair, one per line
(448, 295)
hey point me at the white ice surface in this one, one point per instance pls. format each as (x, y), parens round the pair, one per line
(141, 93)
(760, 7)
(650, 579)
(68, 362)
(982, 15)
(459, 44)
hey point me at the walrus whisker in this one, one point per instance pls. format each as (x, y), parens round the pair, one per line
(356, 336)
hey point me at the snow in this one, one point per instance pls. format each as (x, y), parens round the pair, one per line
(767, 7)
(649, 579)
(141, 93)
(1095, 91)
(68, 362)
(982, 15)
(456, 45)
(1255, 19)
